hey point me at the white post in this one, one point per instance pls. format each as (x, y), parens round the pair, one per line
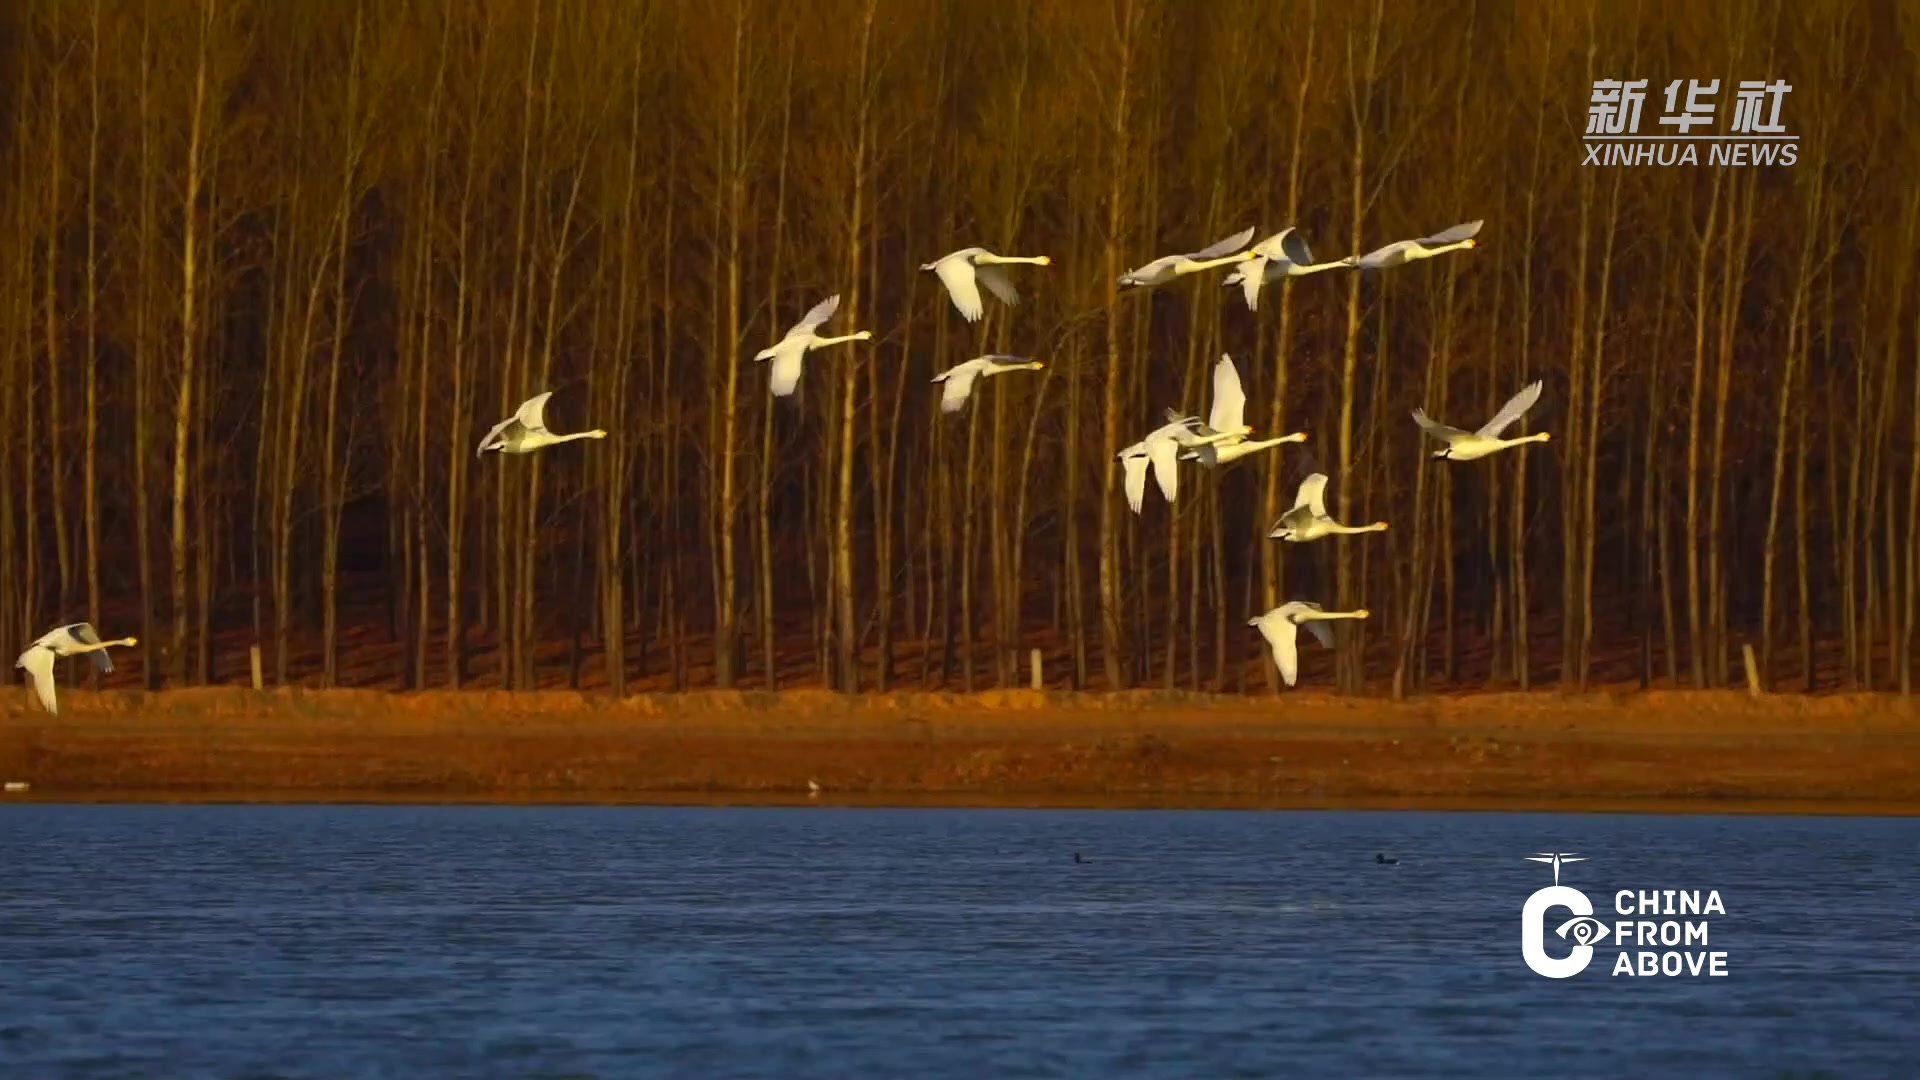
(1039, 678)
(253, 658)
(1753, 669)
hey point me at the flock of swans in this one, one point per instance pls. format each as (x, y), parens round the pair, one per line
(1222, 439)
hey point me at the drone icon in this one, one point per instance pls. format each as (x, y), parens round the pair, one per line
(1557, 858)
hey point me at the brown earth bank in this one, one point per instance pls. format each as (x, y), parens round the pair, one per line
(1668, 751)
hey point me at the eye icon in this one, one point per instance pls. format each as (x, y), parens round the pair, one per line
(1585, 930)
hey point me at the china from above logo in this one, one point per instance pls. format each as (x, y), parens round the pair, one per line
(1671, 945)
(1754, 137)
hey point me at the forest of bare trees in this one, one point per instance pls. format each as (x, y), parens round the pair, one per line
(270, 269)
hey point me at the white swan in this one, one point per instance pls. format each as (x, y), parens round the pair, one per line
(526, 430)
(1161, 449)
(72, 639)
(1281, 628)
(1211, 455)
(1458, 238)
(964, 271)
(1282, 255)
(787, 353)
(1308, 519)
(1168, 267)
(960, 377)
(1468, 445)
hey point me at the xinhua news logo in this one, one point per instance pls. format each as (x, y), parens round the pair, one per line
(1755, 135)
(1660, 933)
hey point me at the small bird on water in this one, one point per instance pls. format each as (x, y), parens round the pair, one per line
(813, 788)
(1384, 861)
(1079, 858)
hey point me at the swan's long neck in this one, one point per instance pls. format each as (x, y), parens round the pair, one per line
(1457, 245)
(82, 647)
(1378, 526)
(820, 341)
(1329, 616)
(596, 433)
(1302, 271)
(1030, 260)
(1194, 265)
(1541, 436)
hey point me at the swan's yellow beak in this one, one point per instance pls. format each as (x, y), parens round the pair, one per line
(1364, 613)
(133, 641)
(1472, 243)
(1043, 261)
(1304, 436)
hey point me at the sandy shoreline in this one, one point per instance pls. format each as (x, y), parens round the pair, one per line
(1657, 751)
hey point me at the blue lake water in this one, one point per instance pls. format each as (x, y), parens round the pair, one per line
(415, 942)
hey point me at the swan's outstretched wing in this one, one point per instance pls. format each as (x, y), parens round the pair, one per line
(1387, 257)
(958, 276)
(1313, 494)
(1165, 455)
(1229, 400)
(532, 412)
(785, 376)
(1320, 630)
(1136, 470)
(959, 383)
(1435, 428)
(1454, 235)
(1250, 275)
(1294, 247)
(1224, 247)
(995, 279)
(1516, 405)
(1281, 635)
(39, 665)
(494, 433)
(85, 634)
(821, 312)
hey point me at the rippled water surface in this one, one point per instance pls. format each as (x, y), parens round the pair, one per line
(414, 942)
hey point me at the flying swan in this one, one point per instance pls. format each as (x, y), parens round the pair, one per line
(1168, 267)
(1401, 252)
(960, 377)
(1469, 445)
(1281, 628)
(964, 271)
(1282, 255)
(1161, 449)
(787, 353)
(72, 639)
(526, 430)
(1308, 519)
